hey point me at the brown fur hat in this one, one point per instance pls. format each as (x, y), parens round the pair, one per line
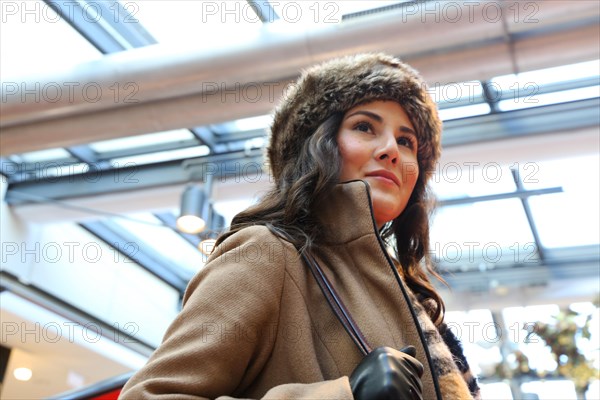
(342, 83)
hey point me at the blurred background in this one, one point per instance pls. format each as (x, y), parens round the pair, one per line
(120, 117)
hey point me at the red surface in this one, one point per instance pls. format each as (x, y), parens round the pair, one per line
(108, 396)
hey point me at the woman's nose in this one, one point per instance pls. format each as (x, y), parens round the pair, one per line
(388, 149)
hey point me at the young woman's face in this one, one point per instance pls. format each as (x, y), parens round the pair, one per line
(378, 144)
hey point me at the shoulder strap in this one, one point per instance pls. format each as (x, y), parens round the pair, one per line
(336, 304)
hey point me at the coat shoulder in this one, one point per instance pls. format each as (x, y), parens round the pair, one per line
(252, 245)
(250, 255)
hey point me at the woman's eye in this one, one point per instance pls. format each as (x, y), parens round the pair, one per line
(405, 141)
(363, 127)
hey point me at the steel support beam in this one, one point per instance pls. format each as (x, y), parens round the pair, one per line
(233, 165)
(519, 194)
(566, 117)
(148, 258)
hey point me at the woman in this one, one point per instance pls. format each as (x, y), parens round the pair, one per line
(302, 288)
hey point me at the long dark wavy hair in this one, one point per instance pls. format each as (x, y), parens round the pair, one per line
(288, 210)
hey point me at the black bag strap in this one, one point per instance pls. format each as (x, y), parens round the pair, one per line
(336, 303)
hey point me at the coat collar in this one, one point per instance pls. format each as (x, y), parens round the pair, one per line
(346, 213)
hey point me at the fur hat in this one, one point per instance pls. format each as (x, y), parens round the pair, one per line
(342, 83)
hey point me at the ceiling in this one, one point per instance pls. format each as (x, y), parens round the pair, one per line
(137, 99)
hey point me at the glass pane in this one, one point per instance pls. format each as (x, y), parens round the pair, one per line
(161, 156)
(35, 39)
(520, 323)
(196, 23)
(482, 235)
(230, 209)
(528, 89)
(593, 392)
(457, 92)
(471, 179)
(447, 114)
(551, 390)
(562, 96)
(163, 240)
(479, 336)
(134, 142)
(351, 7)
(588, 346)
(548, 76)
(41, 156)
(496, 391)
(243, 125)
(575, 210)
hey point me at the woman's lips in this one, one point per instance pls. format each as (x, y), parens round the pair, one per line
(385, 175)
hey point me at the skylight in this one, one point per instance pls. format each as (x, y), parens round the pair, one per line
(562, 96)
(457, 92)
(447, 114)
(132, 142)
(162, 239)
(162, 156)
(548, 76)
(33, 35)
(569, 218)
(351, 7)
(548, 86)
(463, 234)
(195, 23)
(41, 156)
(243, 125)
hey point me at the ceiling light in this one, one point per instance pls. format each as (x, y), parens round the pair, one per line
(192, 218)
(206, 246)
(22, 374)
(216, 225)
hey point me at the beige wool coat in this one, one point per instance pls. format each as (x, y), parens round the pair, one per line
(256, 325)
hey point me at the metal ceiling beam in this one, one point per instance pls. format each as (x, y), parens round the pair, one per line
(519, 194)
(131, 178)
(264, 11)
(525, 203)
(159, 187)
(131, 247)
(529, 121)
(541, 274)
(565, 117)
(156, 75)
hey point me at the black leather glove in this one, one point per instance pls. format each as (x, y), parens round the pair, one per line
(387, 373)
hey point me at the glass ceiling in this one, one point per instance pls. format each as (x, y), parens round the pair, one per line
(547, 76)
(43, 39)
(351, 7)
(153, 234)
(197, 23)
(570, 218)
(471, 179)
(455, 100)
(482, 235)
(134, 142)
(472, 235)
(501, 222)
